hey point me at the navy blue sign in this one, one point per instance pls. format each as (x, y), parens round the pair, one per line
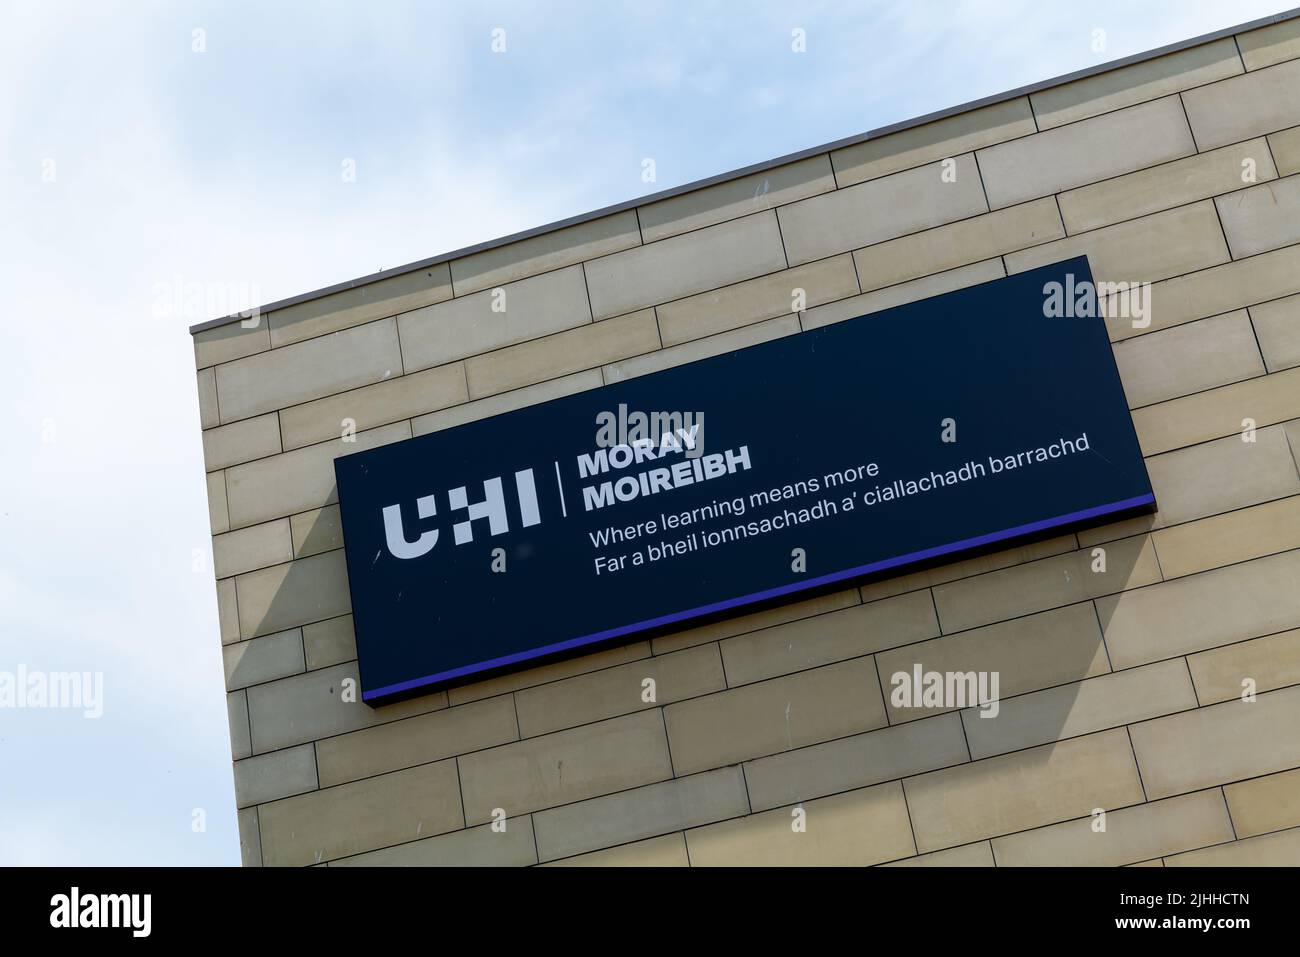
(918, 434)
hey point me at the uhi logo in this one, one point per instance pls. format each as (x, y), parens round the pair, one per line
(492, 508)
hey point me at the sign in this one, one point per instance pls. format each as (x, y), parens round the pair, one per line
(866, 448)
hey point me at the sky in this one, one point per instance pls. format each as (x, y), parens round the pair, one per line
(145, 147)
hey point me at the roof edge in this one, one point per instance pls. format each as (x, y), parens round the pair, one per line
(754, 168)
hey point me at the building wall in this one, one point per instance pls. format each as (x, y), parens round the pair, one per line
(1121, 688)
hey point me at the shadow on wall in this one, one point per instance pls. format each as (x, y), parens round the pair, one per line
(1025, 634)
(1039, 628)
